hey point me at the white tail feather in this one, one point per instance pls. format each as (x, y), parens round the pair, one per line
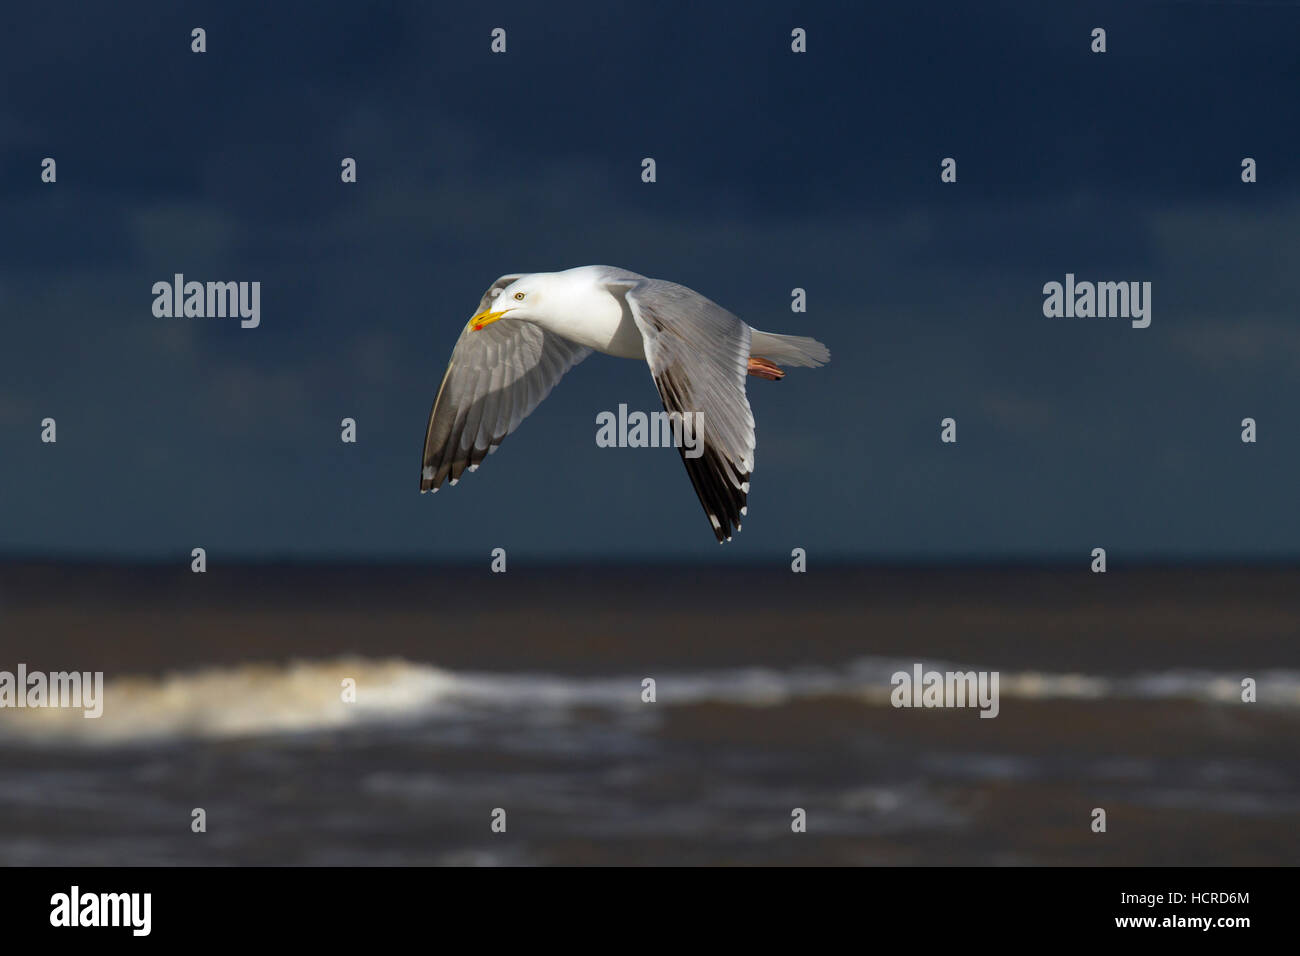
(796, 350)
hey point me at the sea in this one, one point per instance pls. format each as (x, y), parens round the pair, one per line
(404, 714)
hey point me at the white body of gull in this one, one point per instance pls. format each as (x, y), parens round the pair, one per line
(530, 329)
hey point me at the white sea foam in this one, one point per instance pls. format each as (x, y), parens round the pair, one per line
(306, 696)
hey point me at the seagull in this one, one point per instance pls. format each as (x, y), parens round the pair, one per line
(529, 329)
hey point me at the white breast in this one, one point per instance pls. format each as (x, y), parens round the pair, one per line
(599, 320)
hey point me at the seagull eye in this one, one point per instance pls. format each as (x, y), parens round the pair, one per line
(519, 296)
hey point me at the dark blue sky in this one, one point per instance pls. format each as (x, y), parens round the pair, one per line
(775, 170)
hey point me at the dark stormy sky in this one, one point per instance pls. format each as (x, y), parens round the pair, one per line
(775, 170)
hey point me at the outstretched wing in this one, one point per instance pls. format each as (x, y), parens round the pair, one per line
(698, 354)
(495, 379)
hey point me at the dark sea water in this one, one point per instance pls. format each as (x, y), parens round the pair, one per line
(523, 693)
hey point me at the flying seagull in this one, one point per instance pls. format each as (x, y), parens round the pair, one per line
(529, 329)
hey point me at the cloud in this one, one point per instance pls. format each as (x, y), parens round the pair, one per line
(1254, 344)
(1016, 413)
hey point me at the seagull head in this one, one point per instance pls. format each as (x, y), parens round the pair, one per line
(524, 298)
(548, 299)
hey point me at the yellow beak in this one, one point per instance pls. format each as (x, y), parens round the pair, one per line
(485, 318)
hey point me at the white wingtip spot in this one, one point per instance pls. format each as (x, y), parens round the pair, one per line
(744, 511)
(473, 467)
(453, 482)
(716, 522)
(744, 486)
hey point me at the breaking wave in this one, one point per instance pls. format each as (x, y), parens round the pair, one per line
(308, 696)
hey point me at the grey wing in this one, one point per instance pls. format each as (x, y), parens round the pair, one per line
(495, 379)
(698, 354)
